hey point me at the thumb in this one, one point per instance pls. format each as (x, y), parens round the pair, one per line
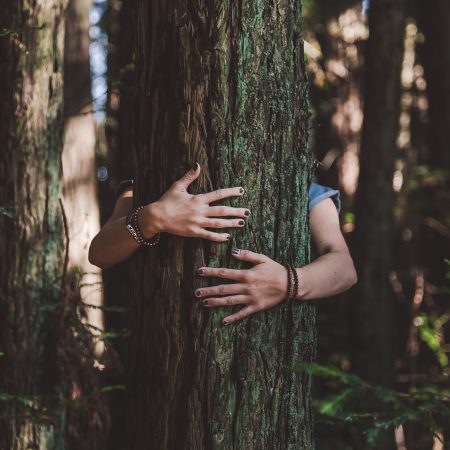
(247, 255)
(189, 177)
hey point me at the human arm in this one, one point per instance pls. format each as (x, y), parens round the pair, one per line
(176, 212)
(265, 284)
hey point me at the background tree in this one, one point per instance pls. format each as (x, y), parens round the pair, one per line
(211, 88)
(372, 307)
(46, 365)
(31, 221)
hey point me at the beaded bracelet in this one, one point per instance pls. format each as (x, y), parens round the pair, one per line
(132, 222)
(292, 283)
(289, 284)
(296, 282)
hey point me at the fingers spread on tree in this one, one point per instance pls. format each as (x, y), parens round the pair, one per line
(244, 312)
(222, 289)
(211, 236)
(223, 223)
(247, 255)
(220, 194)
(226, 301)
(221, 211)
(222, 272)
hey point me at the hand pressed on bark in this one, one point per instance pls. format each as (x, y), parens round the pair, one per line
(259, 288)
(180, 213)
(265, 284)
(176, 212)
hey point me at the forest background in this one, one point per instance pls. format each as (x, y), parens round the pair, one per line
(379, 128)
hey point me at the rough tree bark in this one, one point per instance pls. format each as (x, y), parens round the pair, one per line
(45, 366)
(32, 243)
(372, 325)
(221, 83)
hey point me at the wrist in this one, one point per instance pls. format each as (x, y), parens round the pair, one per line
(150, 220)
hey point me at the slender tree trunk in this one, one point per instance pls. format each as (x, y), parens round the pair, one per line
(221, 83)
(119, 161)
(373, 302)
(32, 243)
(434, 19)
(78, 161)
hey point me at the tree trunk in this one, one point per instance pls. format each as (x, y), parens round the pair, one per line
(32, 243)
(78, 161)
(372, 308)
(434, 20)
(49, 395)
(222, 84)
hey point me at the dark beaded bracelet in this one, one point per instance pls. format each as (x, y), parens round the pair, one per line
(132, 222)
(289, 284)
(296, 282)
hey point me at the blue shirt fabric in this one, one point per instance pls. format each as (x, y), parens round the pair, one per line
(318, 192)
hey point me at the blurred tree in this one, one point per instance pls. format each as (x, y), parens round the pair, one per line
(32, 244)
(434, 20)
(118, 130)
(211, 88)
(372, 307)
(78, 159)
(45, 365)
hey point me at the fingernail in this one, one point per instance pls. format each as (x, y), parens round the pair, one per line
(241, 222)
(225, 322)
(205, 302)
(199, 272)
(241, 191)
(247, 212)
(198, 293)
(195, 167)
(235, 251)
(228, 238)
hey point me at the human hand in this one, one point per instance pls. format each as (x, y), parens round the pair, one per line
(259, 288)
(183, 214)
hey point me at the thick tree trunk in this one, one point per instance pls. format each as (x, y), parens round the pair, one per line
(372, 308)
(32, 243)
(221, 83)
(46, 374)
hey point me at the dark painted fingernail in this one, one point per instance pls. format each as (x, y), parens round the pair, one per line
(235, 251)
(205, 302)
(228, 238)
(195, 167)
(225, 322)
(241, 222)
(241, 191)
(198, 293)
(247, 212)
(199, 272)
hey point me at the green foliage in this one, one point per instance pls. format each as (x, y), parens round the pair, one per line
(431, 333)
(373, 409)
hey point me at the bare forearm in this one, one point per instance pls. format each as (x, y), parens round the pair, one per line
(330, 274)
(113, 244)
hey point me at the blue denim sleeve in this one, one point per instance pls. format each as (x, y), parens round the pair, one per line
(318, 192)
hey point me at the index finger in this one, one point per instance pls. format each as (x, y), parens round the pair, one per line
(229, 274)
(220, 194)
